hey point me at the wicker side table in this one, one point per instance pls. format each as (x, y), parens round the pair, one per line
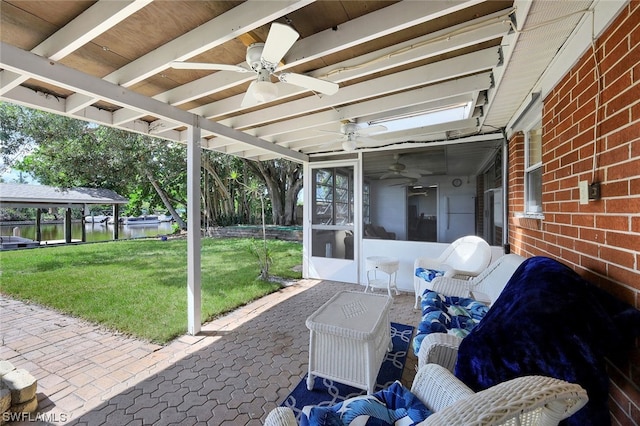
(389, 266)
(349, 337)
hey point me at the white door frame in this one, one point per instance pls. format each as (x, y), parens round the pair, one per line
(346, 270)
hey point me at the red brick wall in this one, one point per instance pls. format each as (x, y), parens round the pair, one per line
(600, 240)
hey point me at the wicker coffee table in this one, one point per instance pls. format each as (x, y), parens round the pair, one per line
(349, 337)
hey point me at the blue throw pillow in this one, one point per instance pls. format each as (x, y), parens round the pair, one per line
(393, 406)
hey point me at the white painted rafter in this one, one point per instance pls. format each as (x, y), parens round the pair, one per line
(242, 19)
(34, 66)
(451, 88)
(94, 21)
(441, 71)
(377, 24)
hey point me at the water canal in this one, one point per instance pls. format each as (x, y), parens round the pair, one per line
(94, 231)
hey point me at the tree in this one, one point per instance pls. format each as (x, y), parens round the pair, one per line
(283, 180)
(13, 142)
(71, 153)
(68, 153)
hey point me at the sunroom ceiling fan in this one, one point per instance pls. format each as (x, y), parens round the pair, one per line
(352, 133)
(263, 59)
(398, 170)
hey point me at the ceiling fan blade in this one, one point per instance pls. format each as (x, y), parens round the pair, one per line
(421, 171)
(390, 175)
(372, 129)
(279, 41)
(311, 83)
(408, 182)
(411, 175)
(206, 66)
(367, 141)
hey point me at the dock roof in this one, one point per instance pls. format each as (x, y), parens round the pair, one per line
(15, 195)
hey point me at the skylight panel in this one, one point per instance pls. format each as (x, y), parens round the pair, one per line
(427, 118)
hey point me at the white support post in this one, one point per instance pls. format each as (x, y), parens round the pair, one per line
(194, 291)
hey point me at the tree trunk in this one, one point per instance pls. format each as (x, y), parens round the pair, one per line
(226, 201)
(283, 181)
(291, 201)
(165, 200)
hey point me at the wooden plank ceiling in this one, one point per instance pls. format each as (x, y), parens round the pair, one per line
(388, 58)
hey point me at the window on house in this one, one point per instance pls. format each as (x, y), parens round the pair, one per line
(533, 169)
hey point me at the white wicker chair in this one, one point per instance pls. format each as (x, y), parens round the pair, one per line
(465, 257)
(441, 348)
(530, 400)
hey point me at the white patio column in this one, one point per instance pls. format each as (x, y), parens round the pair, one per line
(194, 291)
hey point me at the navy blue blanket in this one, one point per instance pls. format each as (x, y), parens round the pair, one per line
(549, 321)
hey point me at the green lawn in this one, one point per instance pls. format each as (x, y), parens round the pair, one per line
(140, 287)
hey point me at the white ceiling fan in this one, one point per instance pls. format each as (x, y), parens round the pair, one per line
(352, 133)
(264, 58)
(398, 170)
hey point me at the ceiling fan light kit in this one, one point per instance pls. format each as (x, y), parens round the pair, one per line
(349, 145)
(263, 90)
(397, 170)
(351, 133)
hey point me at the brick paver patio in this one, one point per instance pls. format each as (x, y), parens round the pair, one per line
(233, 373)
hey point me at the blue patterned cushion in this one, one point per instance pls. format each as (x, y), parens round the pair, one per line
(393, 406)
(428, 274)
(446, 314)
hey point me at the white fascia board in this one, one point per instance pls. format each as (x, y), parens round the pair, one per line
(591, 26)
(39, 68)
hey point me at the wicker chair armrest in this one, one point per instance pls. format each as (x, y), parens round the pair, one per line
(439, 348)
(461, 274)
(534, 400)
(431, 263)
(281, 416)
(450, 286)
(438, 388)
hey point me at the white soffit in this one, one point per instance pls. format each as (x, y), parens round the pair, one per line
(547, 27)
